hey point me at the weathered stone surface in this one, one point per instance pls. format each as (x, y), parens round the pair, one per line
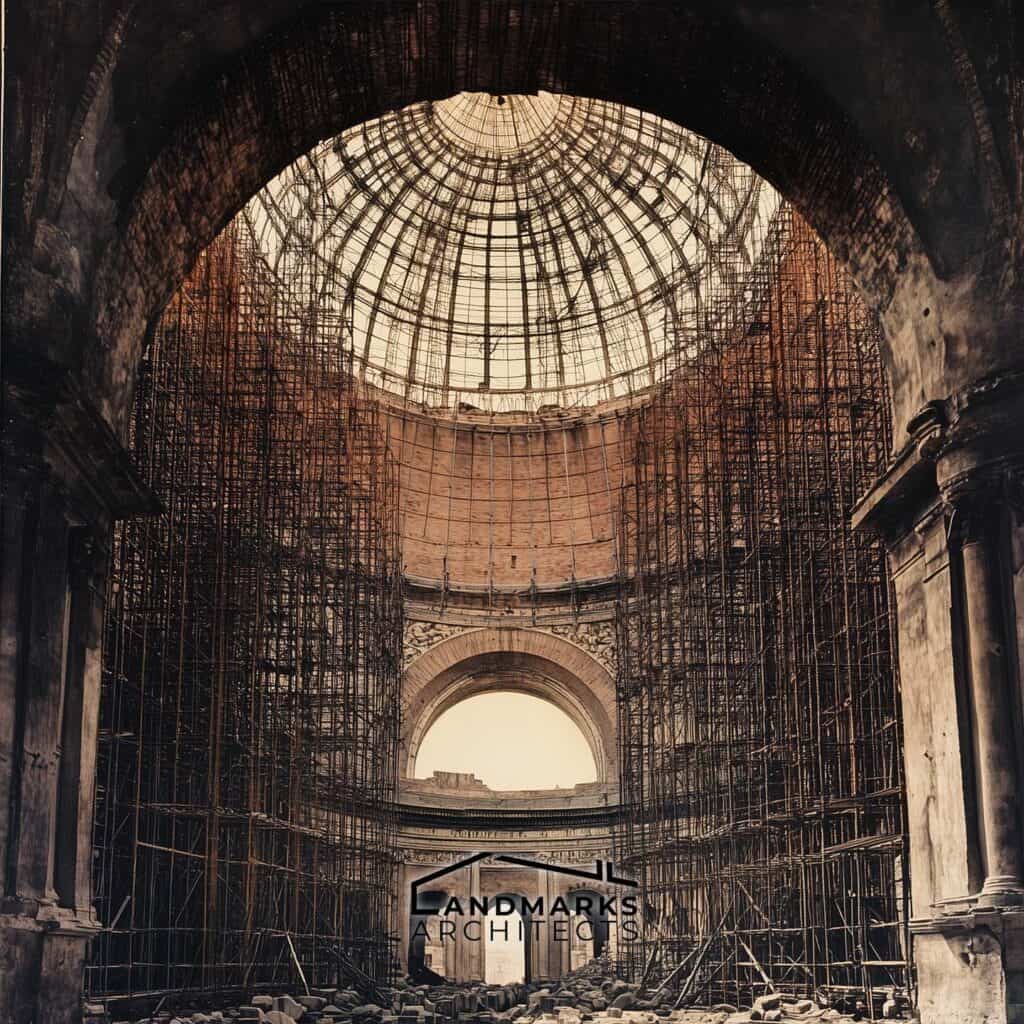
(535, 998)
(278, 1017)
(288, 1005)
(368, 1011)
(109, 188)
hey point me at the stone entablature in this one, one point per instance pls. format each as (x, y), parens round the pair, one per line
(577, 851)
(460, 790)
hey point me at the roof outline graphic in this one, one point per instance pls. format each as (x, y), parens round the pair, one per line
(604, 871)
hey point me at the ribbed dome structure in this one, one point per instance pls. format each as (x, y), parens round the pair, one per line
(510, 252)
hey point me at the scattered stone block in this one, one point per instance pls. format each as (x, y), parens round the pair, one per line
(278, 1017)
(368, 1011)
(533, 1000)
(287, 1005)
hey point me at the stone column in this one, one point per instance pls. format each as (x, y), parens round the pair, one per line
(542, 942)
(41, 704)
(465, 955)
(405, 875)
(556, 952)
(45, 919)
(563, 944)
(65, 479)
(982, 514)
(476, 949)
(950, 509)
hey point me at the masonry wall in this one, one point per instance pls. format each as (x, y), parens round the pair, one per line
(508, 501)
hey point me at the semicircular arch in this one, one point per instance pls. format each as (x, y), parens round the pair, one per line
(517, 660)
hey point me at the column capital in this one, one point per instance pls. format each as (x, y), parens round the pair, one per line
(964, 452)
(57, 439)
(978, 497)
(974, 437)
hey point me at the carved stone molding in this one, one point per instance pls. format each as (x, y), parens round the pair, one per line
(596, 638)
(575, 855)
(421, 636)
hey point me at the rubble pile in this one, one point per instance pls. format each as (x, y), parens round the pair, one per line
(593, 993)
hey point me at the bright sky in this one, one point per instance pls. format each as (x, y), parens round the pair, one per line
(509, 741)
(505, 952)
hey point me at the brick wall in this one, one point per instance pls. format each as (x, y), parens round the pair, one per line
(506, 501)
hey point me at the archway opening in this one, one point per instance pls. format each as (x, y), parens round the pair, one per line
(768, 423)
(508, 741)
(505, 935)
(590, 927)
(427, 949)
(581, 941)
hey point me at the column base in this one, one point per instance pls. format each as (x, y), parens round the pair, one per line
(970, 967)
(42, 962)
(1001, 891)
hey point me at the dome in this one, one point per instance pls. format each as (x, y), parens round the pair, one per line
(513, 252)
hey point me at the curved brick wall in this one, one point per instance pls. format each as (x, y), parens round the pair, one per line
(504, 501)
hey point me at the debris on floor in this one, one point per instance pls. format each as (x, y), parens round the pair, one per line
(593, 993)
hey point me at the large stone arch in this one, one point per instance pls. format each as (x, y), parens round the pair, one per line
(332, 67)
(136, 130)
(892, 128)
(527, 660)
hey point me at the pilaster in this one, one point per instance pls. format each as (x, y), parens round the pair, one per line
(951, 510)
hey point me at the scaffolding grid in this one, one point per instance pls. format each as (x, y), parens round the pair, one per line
(511, 253)
(249, 726)
(251, 700)
(759, 726)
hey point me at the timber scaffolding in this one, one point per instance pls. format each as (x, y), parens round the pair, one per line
(245, 824)
(759, 724)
